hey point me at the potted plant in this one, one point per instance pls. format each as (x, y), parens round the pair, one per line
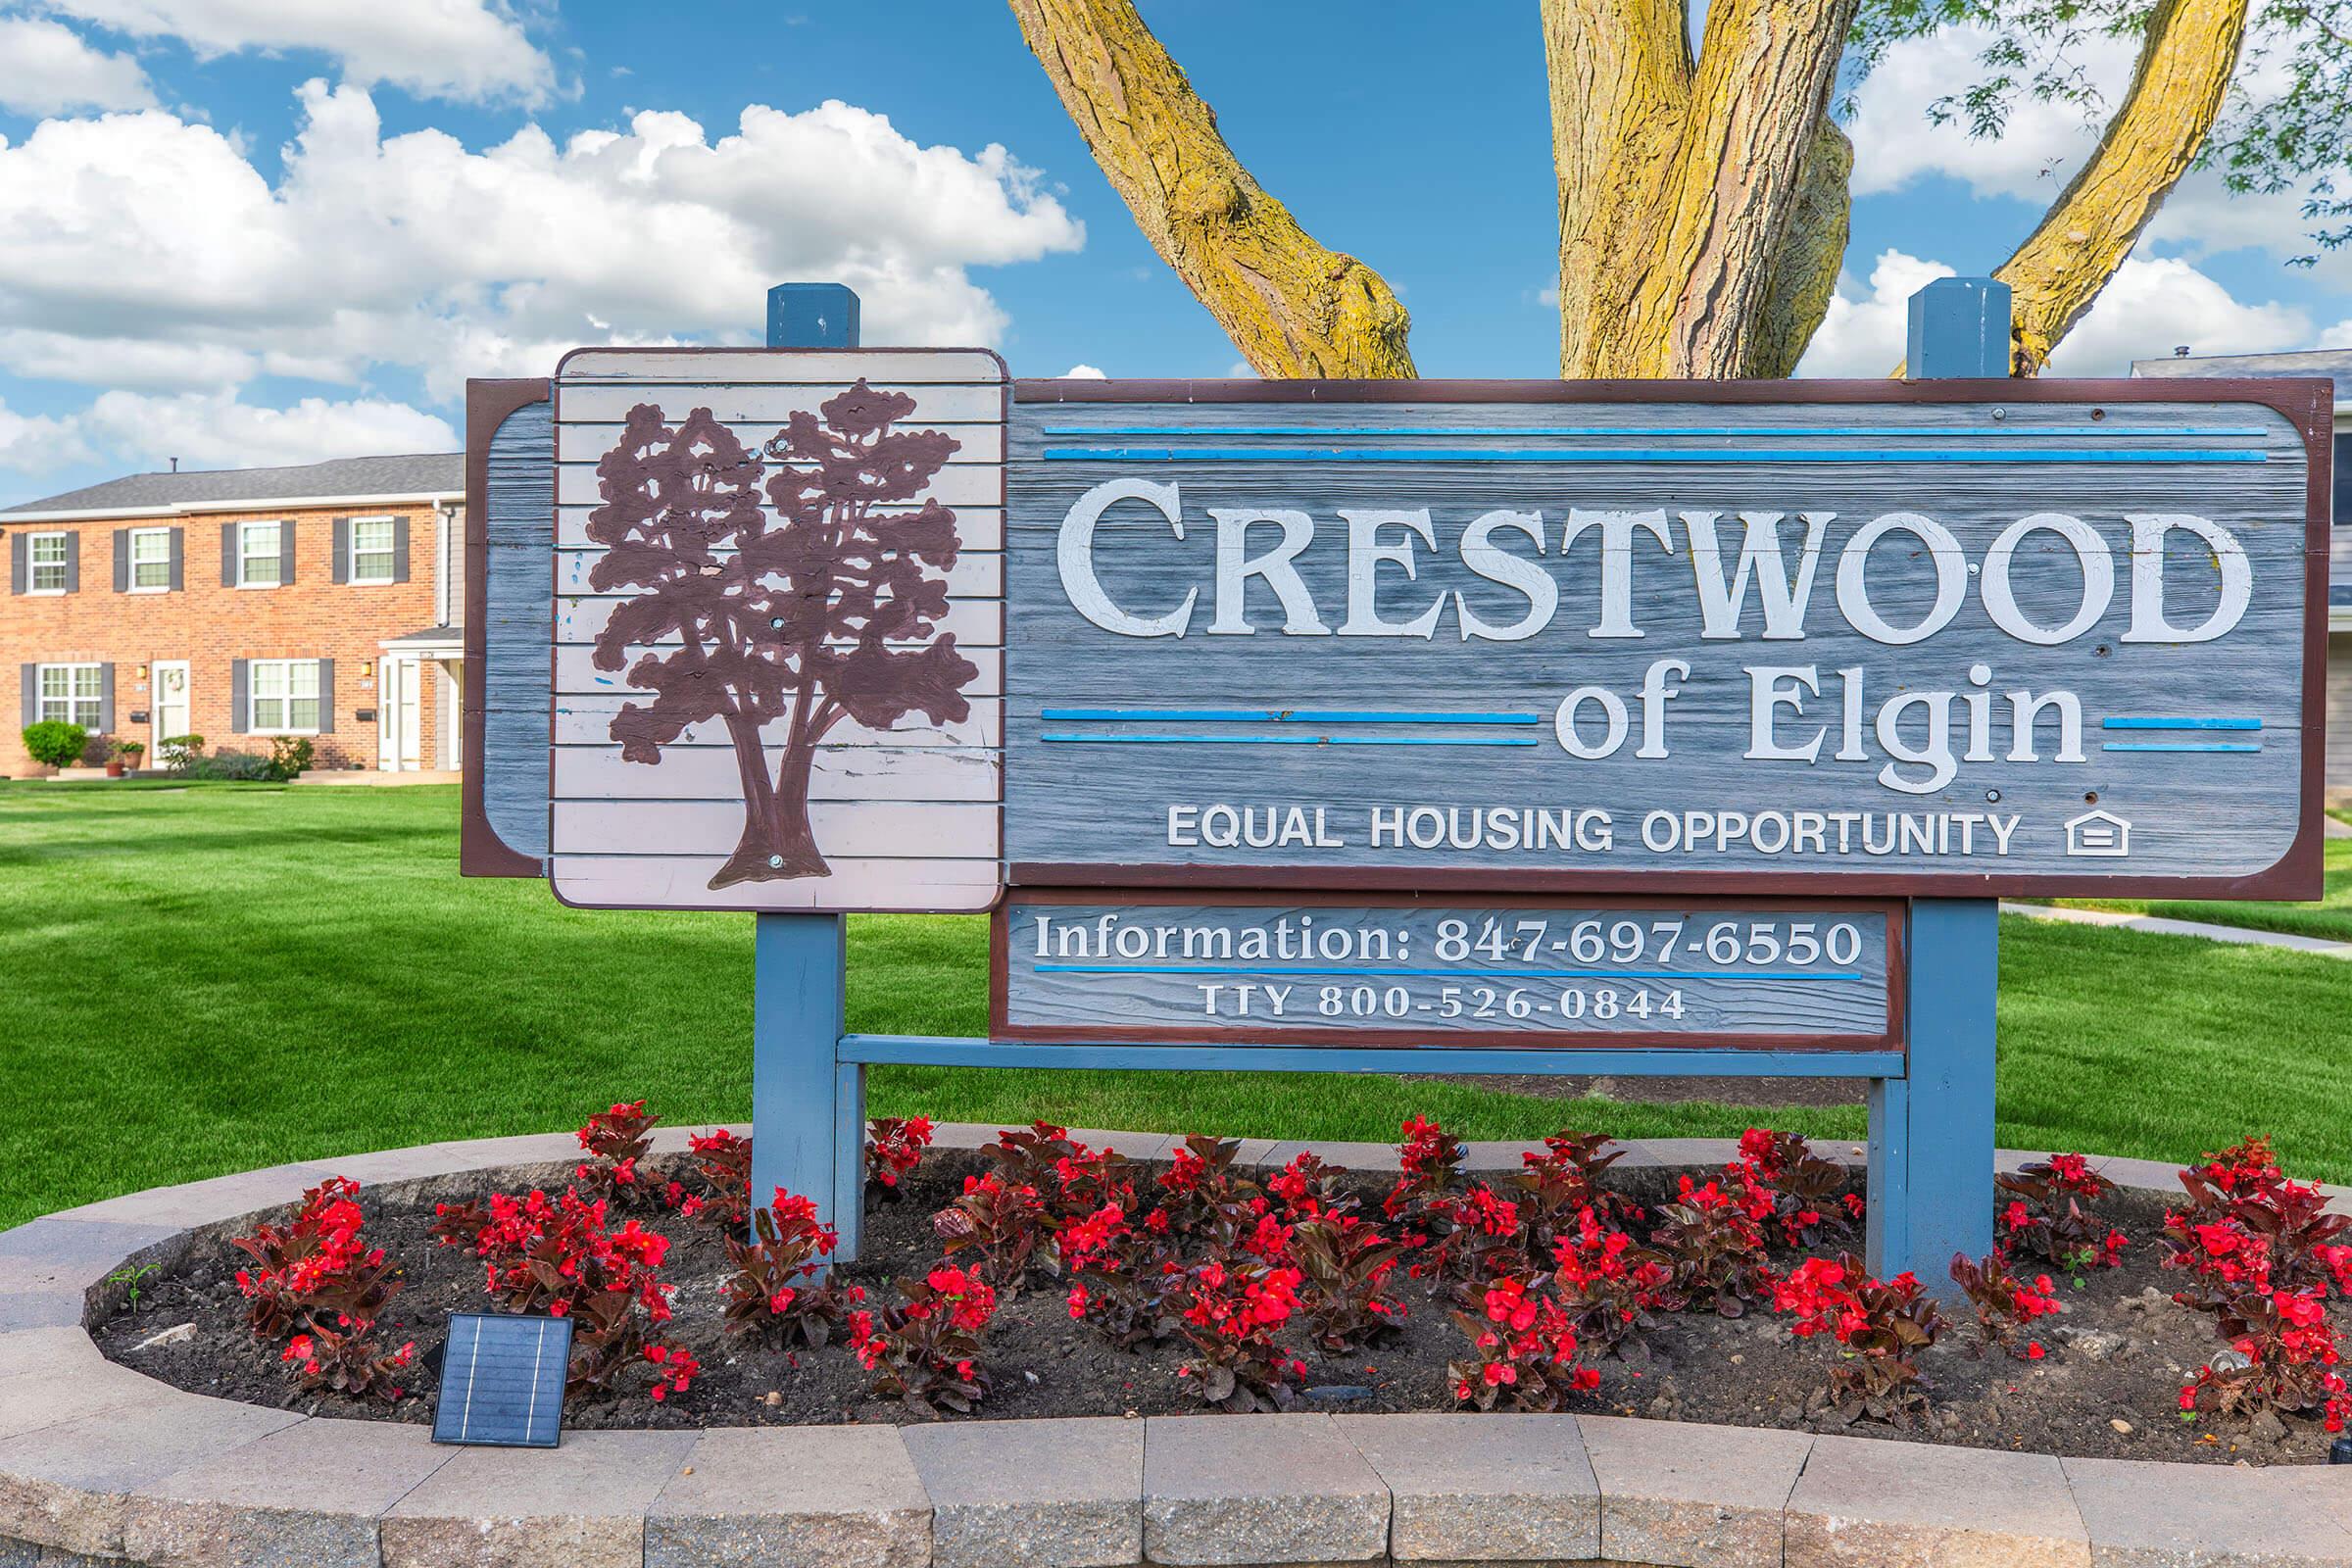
(124, 756)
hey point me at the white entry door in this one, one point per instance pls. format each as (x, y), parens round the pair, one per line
(168, 707)
(399, 729)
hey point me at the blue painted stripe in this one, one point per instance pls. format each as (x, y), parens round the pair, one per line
(2169, 431)
(1273, 715)
(1292, 740)
(2166, 723)
(1457, 973)
(1664, 455)
(2177, 746)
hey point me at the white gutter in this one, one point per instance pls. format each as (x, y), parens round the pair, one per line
(186, 509)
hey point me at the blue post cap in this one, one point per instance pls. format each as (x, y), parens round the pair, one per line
(811, 315)
(1959, 328)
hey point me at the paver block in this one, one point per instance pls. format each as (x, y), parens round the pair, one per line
(1868, 1503)
(2142, 1514)
(303, 1496)
(836, 1496)
(206, 1202)
(73, 1388)
(1373, 1157)
(1259, 1490)
(1487, 1489)
(2145, 1175)
(67, 1484)
(25, 1554)
(31, 1306)
(1695, 1153)
(1135, 1146)
(1684, 1495)
(1488, 1156)
(47, 1349)
(581, 1506)
(1055, 1493)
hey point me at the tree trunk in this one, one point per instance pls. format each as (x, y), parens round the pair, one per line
(776, 841)
(1679, 179)
(1291, 307)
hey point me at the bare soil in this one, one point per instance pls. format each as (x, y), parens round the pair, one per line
(2106, 1387)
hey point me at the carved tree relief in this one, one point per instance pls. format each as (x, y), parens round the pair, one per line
(801, 586)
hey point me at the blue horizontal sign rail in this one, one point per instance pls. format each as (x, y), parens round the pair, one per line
(1659, 455)
(1454, 971)
(931, 1050)
(2179, 746)
(2161, 722)
(1270, 715)
(1291, 740)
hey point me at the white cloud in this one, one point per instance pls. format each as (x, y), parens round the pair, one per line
(2151, 307)
(36, 443)
(46, 68)
(416, 251)
(465, 49)
(2147, 309)
(1896, 142)
(215, 429)
(1082, 372)
(1862, 333)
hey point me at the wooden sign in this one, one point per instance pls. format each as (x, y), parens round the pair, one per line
(777, 595)
(1073, 966)
(1961, 638)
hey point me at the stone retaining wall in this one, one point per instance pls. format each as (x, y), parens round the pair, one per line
(99, 1463)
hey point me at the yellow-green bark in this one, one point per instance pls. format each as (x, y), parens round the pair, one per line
(1291, 307)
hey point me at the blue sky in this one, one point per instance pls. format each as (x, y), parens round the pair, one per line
(273, 230)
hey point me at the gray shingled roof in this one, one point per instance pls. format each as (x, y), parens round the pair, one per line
(418, 473)
(2335, 362)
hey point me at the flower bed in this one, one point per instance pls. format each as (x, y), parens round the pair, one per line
(1042, 1278)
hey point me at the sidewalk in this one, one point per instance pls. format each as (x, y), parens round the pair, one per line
(2184, 928)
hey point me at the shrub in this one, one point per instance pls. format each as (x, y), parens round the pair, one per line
(564, 1256)
(2005, 1303)
(1477, 1237)
(1230, 1310)
(54, 743)
(1608, 1285)
(894, 1148)
(1309, 1188)
(1001, 1221)
(780, 1291)
(1787, 1189)
(177, 751)
(1883, 1324)
(231, 766)
(2290, 1351)
(1715, 1250)
(1428, 1163)
(616, 1141)
(1557, 1185)
(350, 1362)
(722, 1169)
(290, 757)
(2260, 1233)
(2045, 1217)
(925, 1352)
(1206, 1201)
(1527, 1351)
(317, 1266)
(1348, 1261)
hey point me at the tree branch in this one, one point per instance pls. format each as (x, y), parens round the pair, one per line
(1804, 271)
(1291, 307)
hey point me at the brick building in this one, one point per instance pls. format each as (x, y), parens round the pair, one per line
(244, 604)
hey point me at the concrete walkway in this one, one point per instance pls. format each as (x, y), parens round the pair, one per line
(2242, 935)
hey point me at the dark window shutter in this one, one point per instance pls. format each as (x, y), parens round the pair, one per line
(73, 560)
(228, 554)
(400, 550)
(342, 549)
(122, 561)
(326, 697)
(33, 695)
(285, 552)
(16, 567)
(239, 698)
(106, 699)
(179, 558)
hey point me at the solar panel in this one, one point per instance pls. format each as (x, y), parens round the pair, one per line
(502, 1380)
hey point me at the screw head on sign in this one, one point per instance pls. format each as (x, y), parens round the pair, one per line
(776, 861)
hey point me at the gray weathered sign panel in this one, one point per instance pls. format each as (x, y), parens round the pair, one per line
(1071, 966)
(1963, 638)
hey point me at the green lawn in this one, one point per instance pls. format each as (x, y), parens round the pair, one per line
(2330, 917)
(213, 978)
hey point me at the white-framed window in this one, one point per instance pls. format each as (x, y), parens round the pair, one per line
(47, 555)
(258, 558)
(74, 694)
(283, 695)
(371, 550)
(150, 560)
